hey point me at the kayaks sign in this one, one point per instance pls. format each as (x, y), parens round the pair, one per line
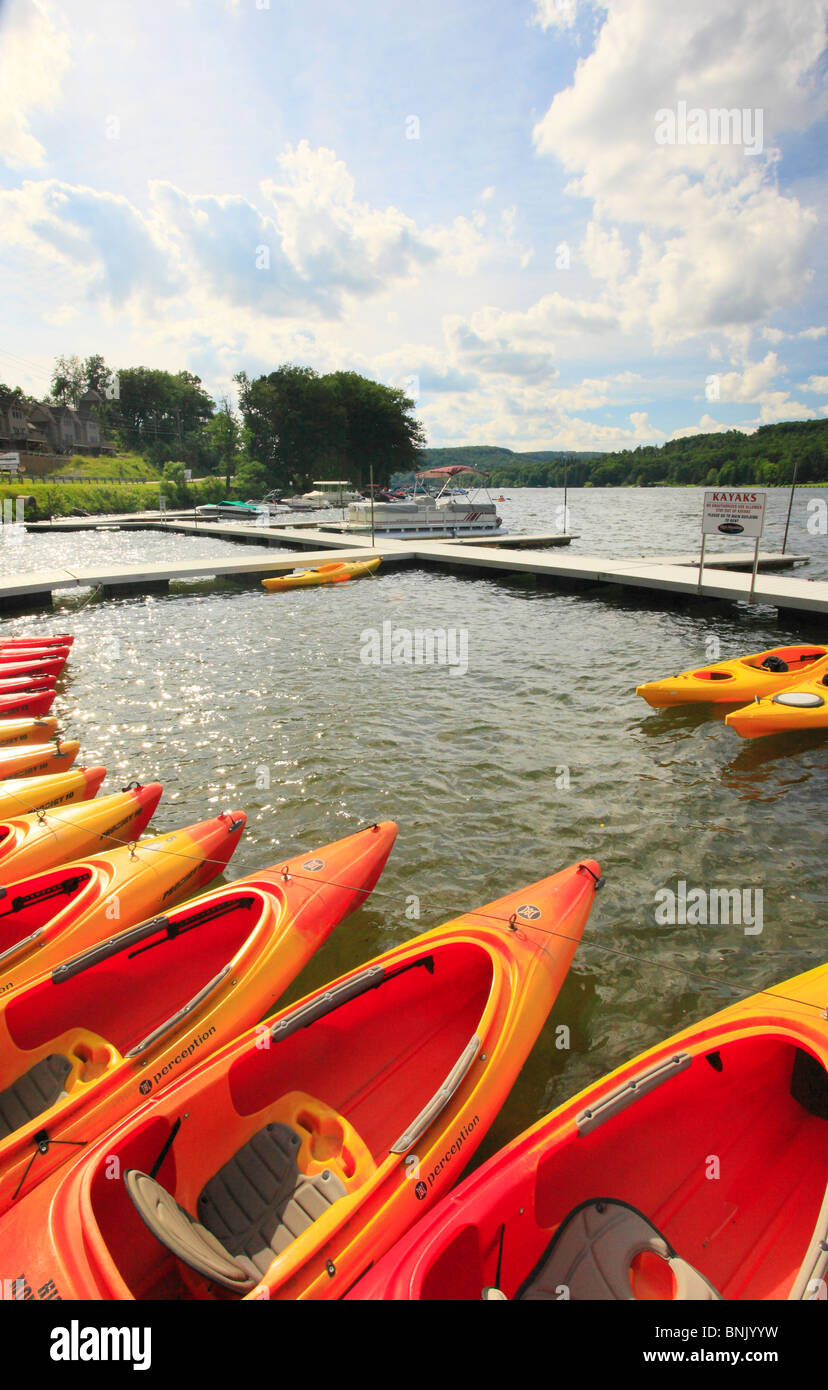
(731, 513)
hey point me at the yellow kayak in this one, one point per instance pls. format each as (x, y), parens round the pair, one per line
(736, 681)
(803, 705)
(326, 574)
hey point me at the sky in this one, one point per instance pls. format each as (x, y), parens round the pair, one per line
(556, 224)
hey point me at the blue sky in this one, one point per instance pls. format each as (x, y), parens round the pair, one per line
(467, 199)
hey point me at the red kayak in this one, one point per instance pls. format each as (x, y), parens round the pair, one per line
(63, 641)
(18, 656)
(26, 704)
(46, 665)
(26, 685)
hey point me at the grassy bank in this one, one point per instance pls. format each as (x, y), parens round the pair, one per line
(66, 499)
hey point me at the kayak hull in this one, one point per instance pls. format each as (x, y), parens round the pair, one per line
(41, 840)
(138, 1010)
(38, 759)
(19, 733)
(9, 643)
(392, 1074)
(336, 573)
(26, 704)
(114, 886)
(736, 681)
(19, 795)
(796, 709)
(718, 1135)
(46, 665)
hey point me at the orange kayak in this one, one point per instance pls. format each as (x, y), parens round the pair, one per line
(798, 707)
(9, 643)
(734, 682)
(19, 795)
(26, 704)
(707, 1154)
(47, 916)
(81, 1048)
(16, 733)
(40, 840)
(38, 758)
(356, 1108)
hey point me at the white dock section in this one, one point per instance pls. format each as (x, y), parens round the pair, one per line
(670, 575)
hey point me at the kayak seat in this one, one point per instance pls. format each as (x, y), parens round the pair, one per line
(594, 1254)
(35, 1091)
(248, 1213)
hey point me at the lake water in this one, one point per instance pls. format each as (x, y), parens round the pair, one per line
(537, 755)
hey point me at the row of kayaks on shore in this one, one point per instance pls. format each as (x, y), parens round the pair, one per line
(787, 688)
(159, 1141)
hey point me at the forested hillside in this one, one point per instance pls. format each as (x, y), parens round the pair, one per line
(731, 458)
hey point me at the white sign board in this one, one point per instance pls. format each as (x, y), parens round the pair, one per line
(728, 512)
(9, 463)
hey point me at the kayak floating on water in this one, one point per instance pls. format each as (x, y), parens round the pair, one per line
(8, 643)
(336, 573)
(19, 733)
(30, 669)
(26, 685)
(36, 759)
(26, 704)
(36, 841)
(47, 916)
(20, 656)
(355, 1109)
(19, 795)
(798, 707)
(695, 1171)
(82, 1047)
(736, 681)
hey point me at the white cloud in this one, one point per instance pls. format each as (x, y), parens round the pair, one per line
(817, 383)
(723, 248)
(34, 57)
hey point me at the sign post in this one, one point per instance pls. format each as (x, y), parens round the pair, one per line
(731, 513)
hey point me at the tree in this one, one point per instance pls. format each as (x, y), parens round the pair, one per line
(298, 424)
(67, 384)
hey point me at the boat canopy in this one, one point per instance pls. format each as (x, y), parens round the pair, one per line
(451, 470)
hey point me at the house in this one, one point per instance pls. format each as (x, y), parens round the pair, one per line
(57, 428)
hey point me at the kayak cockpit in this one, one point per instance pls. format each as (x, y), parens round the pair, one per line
(721, 1157)
(29, 907)
(311, 1109)
(114, 1002)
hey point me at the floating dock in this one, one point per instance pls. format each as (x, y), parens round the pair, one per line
(305, 544)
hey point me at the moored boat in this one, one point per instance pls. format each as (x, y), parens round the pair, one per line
(354, 1109)
(695, 1171)
(425, 513)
